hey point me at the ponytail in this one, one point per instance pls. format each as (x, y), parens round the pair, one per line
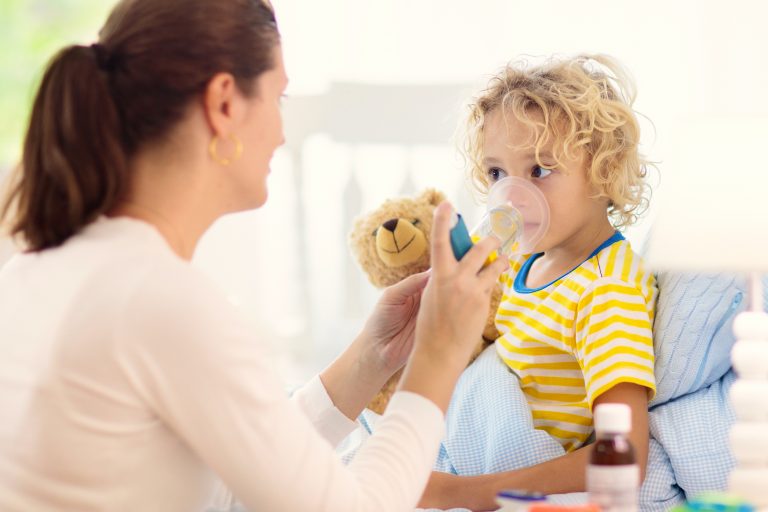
(74, 163)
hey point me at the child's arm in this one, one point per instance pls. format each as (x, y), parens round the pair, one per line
(562, 475)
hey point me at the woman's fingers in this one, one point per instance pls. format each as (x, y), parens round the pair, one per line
(489, 276)
(478, 254)
(442, 258)
(411, 285)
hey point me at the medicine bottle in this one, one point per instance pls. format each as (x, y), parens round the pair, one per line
(613, 476)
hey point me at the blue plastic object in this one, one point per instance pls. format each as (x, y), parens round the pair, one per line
(516, 494)
(715, 502)
(461, 242)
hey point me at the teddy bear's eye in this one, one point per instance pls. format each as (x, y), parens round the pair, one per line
(375, 232)
(415, 222)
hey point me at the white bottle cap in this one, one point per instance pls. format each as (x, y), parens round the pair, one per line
(613, 418)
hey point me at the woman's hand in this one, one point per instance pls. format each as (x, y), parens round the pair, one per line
(390, 330)
(453, 310)
(379, 351)
(455, 302)
(438, 315)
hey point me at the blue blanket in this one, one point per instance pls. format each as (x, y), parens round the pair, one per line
(490, 429)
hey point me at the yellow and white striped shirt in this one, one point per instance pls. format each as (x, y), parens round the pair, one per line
(575, 338)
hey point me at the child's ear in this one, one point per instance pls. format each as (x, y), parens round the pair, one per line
(432, 196)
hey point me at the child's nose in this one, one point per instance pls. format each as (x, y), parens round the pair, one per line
(518, 198)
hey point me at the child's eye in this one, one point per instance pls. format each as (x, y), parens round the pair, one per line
(540, 172)
(495, 174)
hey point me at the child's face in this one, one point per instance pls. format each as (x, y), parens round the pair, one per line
(507, 152)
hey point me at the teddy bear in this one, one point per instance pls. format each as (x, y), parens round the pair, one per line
(391, 243)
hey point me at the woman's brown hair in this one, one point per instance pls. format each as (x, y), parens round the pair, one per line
(97, 105)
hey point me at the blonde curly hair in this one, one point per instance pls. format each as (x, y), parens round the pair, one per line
(583, 103)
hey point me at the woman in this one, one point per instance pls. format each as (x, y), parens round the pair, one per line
(127, 380)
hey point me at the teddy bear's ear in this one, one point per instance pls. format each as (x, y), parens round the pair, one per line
(432, 196)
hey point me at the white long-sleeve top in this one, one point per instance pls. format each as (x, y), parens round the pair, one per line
(128, 381)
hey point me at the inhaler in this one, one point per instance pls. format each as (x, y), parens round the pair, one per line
(517, 214)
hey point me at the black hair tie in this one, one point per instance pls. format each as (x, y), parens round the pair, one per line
(103, 59)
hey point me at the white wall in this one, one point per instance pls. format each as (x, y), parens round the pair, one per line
(288, 266)
(688, 57)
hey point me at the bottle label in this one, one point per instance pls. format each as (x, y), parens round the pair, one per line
(614, 488)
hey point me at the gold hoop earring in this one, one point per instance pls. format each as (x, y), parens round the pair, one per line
(225, 161)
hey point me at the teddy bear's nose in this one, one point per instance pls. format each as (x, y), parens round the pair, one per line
(390, 225)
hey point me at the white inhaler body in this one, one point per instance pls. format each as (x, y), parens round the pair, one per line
(517, 214)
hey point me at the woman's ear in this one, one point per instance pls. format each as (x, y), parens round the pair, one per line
(219, 103)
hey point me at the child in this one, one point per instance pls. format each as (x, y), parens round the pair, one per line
(575, 317)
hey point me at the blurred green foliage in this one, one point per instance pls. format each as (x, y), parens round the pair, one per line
(31, 32)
